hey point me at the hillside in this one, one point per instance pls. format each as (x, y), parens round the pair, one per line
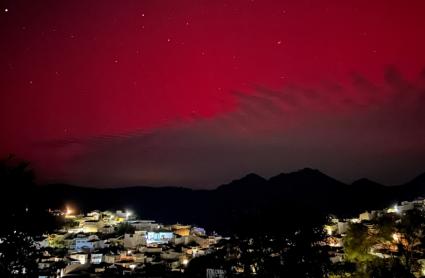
(252, 201)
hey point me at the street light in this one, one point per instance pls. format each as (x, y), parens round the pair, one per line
(68, 211)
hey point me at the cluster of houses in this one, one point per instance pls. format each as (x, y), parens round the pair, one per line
(117, 243)
(337, 228)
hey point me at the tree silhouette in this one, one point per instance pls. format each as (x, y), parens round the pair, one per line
(299, 253)
(19, 201)
(18, 254)
(357, 245)
(306, 256)
(17, 183)
(411, 227)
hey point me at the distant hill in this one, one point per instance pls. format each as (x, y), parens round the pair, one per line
(251, 203)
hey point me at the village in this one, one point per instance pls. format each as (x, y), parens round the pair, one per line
(118, 243)
(111, 244)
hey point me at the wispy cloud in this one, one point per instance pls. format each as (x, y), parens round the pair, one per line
(366, 129)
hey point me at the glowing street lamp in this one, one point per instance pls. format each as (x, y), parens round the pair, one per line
(68, 211)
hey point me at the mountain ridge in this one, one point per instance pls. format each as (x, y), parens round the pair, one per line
(418, 178)
(250, 201)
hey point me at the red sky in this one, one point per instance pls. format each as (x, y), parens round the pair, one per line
(199, 92)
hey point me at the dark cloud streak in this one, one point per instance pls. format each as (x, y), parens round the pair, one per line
(270, 131)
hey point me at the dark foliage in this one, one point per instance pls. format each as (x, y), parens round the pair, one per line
(23, 216)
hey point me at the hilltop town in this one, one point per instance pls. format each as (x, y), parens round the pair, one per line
(117, 243)
(109, 244)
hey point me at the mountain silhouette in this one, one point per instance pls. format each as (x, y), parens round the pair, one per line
(251, 203)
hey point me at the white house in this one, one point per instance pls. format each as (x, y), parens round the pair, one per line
(365, 216)
(96, 258)
(135, 240)
(88, 243)
(406, 206)
(91, 226)
(342, 227)
(111, 258)
(81, 257)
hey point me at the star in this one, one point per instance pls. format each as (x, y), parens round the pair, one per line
(168, 40)
(279, 42)
(6, 10)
